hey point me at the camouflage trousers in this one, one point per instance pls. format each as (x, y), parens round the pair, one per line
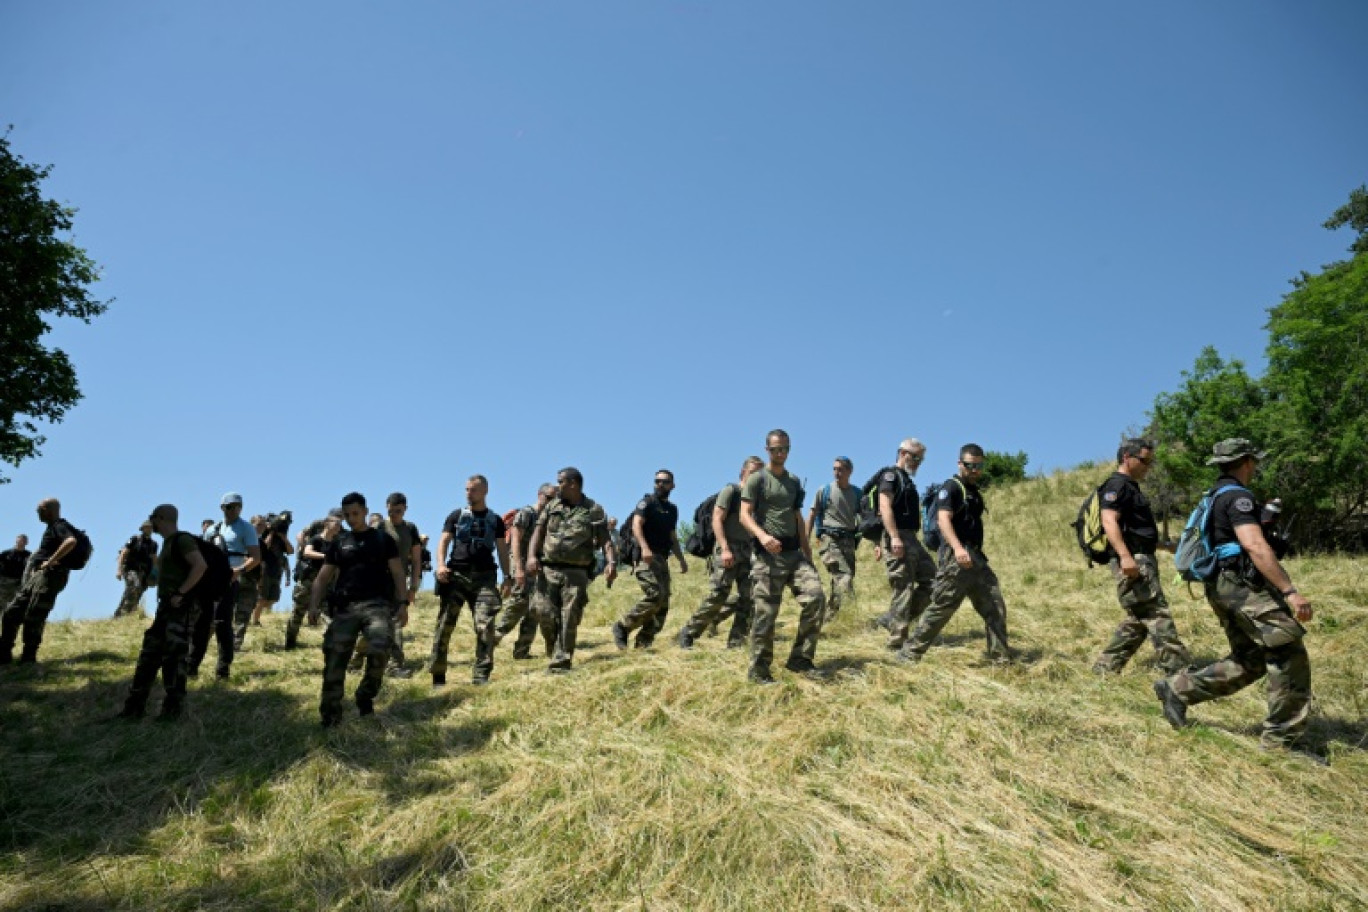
(517, 613)
(29, 609)
(649, 612)
(135, 584)
(558, 603)
(303, 592)
(216, 619)
(165, 649)
(9, 588)
(837, 554)
(769, 574)
(721, 581)
(912, 578)
(373, 619)
(1264, 638)
(480, 590)
(1147, 615)
(953, 584)
(246, 601)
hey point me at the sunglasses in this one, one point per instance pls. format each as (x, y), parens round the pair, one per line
(1146, 461)
(778, 449)
(971, 466)
(663, 481)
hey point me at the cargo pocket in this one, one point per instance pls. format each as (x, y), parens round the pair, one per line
(1269, 624)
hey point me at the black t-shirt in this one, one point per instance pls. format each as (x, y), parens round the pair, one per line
(12, 564)
(965, 502)
(272, 553)
(53, 536)
(898, 485)
(362, 562)
(473, 537)
(1122, 494)
(1231, 509)
(139, 553)
(659, 519)
(306, 567)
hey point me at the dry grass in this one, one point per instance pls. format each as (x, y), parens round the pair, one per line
(661, 780)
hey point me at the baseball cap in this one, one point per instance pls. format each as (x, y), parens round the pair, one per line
(230, 498)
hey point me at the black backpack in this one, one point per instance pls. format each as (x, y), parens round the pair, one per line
(79, 556)
(629, 551)
(218, 573)
(702, 541)
(869, 522)
(1088, 528)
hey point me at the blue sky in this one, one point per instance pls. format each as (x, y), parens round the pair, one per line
(379, 247)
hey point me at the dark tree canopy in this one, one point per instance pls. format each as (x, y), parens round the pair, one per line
(42, 275)
(1354, 214)
(1003, 468)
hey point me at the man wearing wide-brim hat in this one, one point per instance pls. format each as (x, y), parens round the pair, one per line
(1258, 607)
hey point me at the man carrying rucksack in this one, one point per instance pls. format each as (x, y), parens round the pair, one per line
(772, 511)
(237, 538)
(834, 518)
(13, 563)
(911, 571)
(134, 569)
(517, 606)
(568, 532)
(962, 569)
(653, 526)
(1259, 608)
(1134, 538)
(408, 540)
(729, 566)
(313, 548)
(472, 537)
(49, 569)
(167, 641)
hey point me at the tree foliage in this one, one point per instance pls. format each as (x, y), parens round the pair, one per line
(1003, 468)
(42, 275)
(1309, 410)
(1354, 214)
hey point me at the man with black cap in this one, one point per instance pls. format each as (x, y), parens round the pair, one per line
(1259, 609)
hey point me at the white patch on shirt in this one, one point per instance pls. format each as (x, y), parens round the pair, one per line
(1244, 505)
(1109, 496)
(890, 476)
(943, 495)
(642, 505)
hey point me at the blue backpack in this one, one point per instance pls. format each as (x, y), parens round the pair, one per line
(931, 535)
(1195, 559)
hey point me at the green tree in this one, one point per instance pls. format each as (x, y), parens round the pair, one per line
(1003, 468)
(42, 275)
(1354, 214)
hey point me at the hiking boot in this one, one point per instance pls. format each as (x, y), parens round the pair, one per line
(1175, 710)
(800, 665)
(399, 671)
(291, 643)
(1291, 749)
(909, 658)
(365, 705)
(684, 641)
(619, 635)
(643, 642)
(29, 656)
(479, 682)
(558, 668)
(760, 676)
(521, 654)
(438, 679)
(222, 672)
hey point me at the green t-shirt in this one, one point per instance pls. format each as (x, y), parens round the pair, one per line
(729, 500)
(842, 507)
(775, 501)
(174, 568)
(405, 537)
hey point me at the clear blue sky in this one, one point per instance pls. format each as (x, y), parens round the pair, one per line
(376, 247)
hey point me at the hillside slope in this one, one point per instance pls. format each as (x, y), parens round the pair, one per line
(662, 780)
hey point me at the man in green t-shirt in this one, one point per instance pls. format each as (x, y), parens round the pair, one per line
(729, 565)
(772, 511)
(167, 642)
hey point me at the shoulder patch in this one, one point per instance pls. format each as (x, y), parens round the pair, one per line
(642, 505)
(1244, 505)
(1109, 496)
(943, 495)
(890, 476)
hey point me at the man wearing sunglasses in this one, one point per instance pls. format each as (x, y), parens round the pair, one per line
(772, 511)
(962, 567)
(653, 524)
(1134, 538)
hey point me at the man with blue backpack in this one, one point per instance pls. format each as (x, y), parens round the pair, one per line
(1252, 596)
(1133, 539)
(835, 520)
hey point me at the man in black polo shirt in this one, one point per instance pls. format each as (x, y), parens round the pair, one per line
(1134, 537)
(367, 599)
(653, 525)
(1259, 609)
(911, 571)
(962, 568)
(12, 564)
(134, 569)
(37, 595)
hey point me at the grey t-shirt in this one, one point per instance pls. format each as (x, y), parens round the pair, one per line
(842, 507)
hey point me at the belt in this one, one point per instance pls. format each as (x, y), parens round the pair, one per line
(566, 565)
(786, 543)
(840, 534)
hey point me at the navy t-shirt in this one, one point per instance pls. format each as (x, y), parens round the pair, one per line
(898, 485)
(965, 504)
(659, 519)
(1122, 494)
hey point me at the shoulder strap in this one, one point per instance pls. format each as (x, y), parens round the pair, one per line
(823, 498)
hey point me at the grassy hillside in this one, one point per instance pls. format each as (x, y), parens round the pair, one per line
(662, 780)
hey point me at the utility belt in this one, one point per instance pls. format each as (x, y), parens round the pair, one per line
(840, 534)
(786, 543)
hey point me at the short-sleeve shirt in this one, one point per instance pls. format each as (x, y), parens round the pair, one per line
(57, 532)
(405, 537)
(729, 501)
(474, 536)
(659, 519)
(139, 554)
(174, 568)
(1232, 509)
(965, 503)
(12, 564)
(526, 523)
(307, 567)
(775, 501)
(237, 537)
(362, 562)
(273, 554)
(1122, 494)
(898, 485)
(572, 532)
(842, 509)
